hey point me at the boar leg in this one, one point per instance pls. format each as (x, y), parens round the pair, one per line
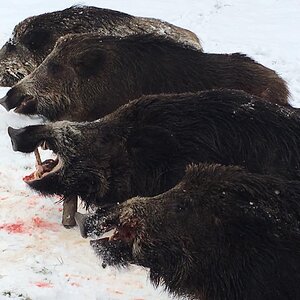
(69, 210)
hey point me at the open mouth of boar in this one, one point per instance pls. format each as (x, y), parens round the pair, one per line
(111, 239)
(124, 232)
(115, 246)
(45, 168)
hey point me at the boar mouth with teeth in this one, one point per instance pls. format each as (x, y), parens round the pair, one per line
(43, 169)
(220, 233)
(46, 172)
(70, 171)
(113, 237)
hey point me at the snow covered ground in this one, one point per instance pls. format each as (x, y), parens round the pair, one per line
(39, 259)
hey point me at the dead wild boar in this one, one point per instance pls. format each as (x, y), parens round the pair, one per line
(34, 38)
(143, 147)
(221, 233)
(87, 76)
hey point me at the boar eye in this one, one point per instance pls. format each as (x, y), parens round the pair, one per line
(90, 63)
(54, 68)
(36, 39)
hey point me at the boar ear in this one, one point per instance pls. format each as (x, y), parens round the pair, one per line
(153, 143)
(89, 63)
(36, 39)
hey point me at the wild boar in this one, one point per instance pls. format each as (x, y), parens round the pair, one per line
(34, 38)
(221, 233)
(143, 147)
(87, 76)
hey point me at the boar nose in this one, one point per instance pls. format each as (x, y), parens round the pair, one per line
(4, 103)
(27, 139)
(80, 221)
(15, 136)
(12, 99)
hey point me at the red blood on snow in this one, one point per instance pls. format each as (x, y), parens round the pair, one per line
(13, 227)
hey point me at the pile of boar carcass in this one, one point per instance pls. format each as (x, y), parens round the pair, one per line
(188, 161)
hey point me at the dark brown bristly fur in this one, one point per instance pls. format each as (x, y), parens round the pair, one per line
(34, 38)
(87, 76)
(222, 233)
(144, 146)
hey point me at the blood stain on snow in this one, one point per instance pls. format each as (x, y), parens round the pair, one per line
(19, 227)
(43, 284)
(41, 223)
(13, 227)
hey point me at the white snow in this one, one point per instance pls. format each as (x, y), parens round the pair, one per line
(39, 259)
